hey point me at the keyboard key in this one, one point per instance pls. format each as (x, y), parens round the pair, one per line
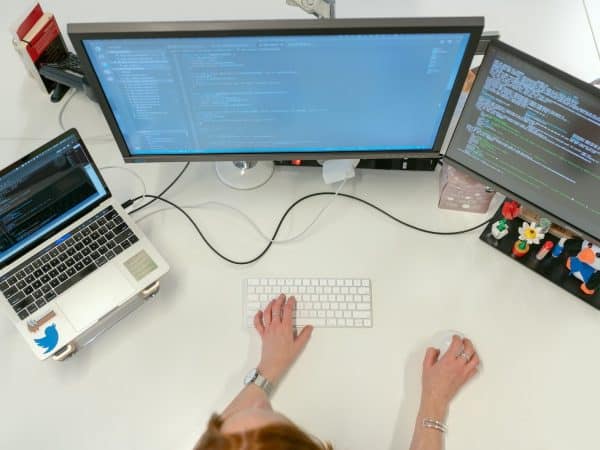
(21, 284)
(28, 290)
(10, 291)
(28, 270)
(78, 277)
(16, 298)
(110, 254)
(29, 279)
(63, 276)
(69, 273)
(23, 314)
(52, 274)
(53, 253)
(133, 239)
(37, 294)
(125, 244)
(37, 264)
(101, 261)
(24, 303)
(123, 236)
(49, 296)
(41, 302)
(78, 266)
(45, 258)
(118, 249)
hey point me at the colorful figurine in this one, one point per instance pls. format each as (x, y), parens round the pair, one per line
(511, 210)
(544, 250)
(499, 229)
(520, 249)
(586, 267)
(559, 248)
(531, 233)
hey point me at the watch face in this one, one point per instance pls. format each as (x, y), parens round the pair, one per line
(251, 376)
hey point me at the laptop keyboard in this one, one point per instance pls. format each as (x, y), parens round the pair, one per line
(70, 259)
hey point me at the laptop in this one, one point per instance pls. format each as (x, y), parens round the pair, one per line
(69, 254)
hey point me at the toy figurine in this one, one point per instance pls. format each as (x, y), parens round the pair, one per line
(511, 210)
(520, 249)
(499, 229)
(585, 266)
(542, 252)
(531, 233)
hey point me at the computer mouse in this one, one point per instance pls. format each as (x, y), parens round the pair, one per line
(443, 339)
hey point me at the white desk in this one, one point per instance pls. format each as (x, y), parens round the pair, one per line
(152, 381)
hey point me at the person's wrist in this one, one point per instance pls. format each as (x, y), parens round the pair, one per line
(269, 373)
(433, 408)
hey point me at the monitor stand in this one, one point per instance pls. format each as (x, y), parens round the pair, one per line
(244, 174)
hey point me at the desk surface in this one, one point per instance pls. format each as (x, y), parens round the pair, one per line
(153, 380)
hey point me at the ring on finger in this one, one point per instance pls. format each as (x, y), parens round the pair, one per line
(464, 356)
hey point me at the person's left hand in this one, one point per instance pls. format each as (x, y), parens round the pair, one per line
(280, 344)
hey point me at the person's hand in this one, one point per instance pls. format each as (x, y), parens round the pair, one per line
(443, 377)
(280, 345)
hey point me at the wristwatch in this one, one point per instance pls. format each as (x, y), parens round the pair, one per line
(254, 376)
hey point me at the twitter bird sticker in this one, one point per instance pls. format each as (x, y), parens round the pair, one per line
(49, 340)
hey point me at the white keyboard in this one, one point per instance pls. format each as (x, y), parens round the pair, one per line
(321, 302)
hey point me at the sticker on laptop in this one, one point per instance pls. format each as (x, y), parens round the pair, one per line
(140, 265)
(49, 340)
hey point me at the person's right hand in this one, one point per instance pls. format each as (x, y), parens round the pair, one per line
(443, 377)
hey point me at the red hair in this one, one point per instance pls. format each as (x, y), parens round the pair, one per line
(270, 437)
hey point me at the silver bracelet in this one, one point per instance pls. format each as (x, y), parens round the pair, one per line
(435, 424)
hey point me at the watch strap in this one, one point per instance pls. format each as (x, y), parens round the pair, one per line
(263, 383)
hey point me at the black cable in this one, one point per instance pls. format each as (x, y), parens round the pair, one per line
(164, 191)
(306, 197)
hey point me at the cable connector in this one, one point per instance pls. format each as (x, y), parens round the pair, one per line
(127, 204)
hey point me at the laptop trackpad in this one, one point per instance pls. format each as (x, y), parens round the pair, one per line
(94, 296)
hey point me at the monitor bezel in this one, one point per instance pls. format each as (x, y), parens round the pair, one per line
(553, 71)
(79, 32)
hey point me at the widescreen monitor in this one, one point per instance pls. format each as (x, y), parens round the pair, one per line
(533, 131)
(280, 89)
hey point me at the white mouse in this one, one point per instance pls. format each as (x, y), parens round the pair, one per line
(443, 339)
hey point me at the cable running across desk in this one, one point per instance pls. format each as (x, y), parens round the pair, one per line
(289, 209)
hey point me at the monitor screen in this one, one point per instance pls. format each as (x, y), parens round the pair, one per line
(269, 92)
(534, 132)
(45, 191)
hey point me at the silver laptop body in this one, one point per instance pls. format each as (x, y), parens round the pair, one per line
(70, 257)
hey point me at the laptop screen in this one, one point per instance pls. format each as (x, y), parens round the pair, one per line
(44, 191)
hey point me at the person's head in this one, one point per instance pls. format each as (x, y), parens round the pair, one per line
(256, 429)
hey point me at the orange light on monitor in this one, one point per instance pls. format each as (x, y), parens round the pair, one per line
(296, 162)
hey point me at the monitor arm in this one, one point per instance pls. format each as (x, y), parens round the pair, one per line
(322, 9)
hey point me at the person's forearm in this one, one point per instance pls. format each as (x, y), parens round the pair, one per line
(428, 438)
(250, 396)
